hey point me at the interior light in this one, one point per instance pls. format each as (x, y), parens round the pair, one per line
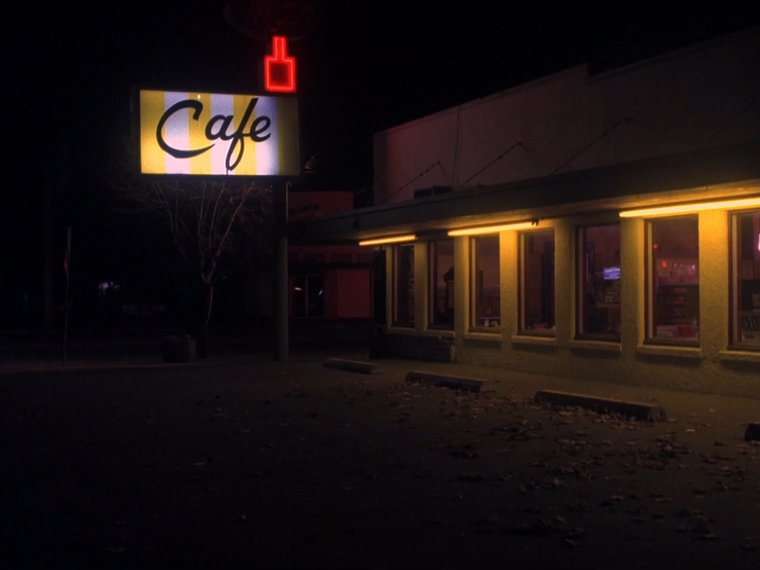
(479, 230)
(690, 208)
(388, 239)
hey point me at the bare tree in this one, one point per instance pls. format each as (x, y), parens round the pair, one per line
(216, 223)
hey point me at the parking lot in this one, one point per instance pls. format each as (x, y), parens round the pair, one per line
(247, 462)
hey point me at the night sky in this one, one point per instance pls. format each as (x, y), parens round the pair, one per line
(362, 67)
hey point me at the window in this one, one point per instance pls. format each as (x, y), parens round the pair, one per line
(598, 288)
(307, 296)
(441, 282)
(537, 282)
(484, 283)
(673, 280)
(745, 280)
(403, 285)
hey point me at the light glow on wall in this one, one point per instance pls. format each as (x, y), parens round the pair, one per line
(480, 230)
(388, 239)
(691, 208)
(218, 134)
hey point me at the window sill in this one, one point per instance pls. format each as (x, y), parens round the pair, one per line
(401, 330)
(738, 356)
(441, 333)
(534, 340)
(668, 350)
(494, 336)
(601, 345)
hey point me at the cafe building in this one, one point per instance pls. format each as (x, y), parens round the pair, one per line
(603, 226)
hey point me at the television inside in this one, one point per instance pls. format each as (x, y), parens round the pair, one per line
(611, 273)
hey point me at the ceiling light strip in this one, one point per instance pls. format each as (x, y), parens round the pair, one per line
(691, 208)
(480, 230)
(388, 239)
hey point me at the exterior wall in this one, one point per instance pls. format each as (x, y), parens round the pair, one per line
(709, 368)
(420, 341)
(691, 99)
(695, 100)
(303, 205)
(344, 268)
(348, 294)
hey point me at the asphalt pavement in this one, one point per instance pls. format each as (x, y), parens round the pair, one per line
(117, 460)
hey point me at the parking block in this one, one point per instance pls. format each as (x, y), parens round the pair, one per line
(445, 381)
(352, 365)
(637, 410)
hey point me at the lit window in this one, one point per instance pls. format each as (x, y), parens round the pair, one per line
(673, 281)
(486, 303)
(745, 280)
(441, 281)
(537, 282)
(599, 282)
(403, 285)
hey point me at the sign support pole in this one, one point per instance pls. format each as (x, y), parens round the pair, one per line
(280, 272)
(67, 267)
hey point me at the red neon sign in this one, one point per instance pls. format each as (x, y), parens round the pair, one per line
(280, 68)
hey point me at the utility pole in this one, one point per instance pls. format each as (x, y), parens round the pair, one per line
(67, 269)
(280, 271)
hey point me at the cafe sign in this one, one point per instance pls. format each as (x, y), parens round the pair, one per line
(218, 134)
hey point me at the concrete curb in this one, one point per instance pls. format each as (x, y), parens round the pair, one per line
(445, 381)
(352, 365)
(637, 410)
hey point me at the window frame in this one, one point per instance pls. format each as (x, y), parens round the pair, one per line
(473, 283)
(395, 260)
(304, 295)
(581, 271)
(432, 286)
(649, 260)
(521, 324)
(735, 249)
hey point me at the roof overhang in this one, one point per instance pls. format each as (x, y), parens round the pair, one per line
(714, 172)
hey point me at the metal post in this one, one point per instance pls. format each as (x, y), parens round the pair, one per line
(280, 272)
(67, 267)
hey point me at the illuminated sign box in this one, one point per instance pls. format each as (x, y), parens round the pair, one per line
(218, 134)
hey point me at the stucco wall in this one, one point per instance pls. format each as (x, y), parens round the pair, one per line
(348, 293)
(691, 99)
(706, 368)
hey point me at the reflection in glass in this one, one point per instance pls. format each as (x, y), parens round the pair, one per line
(674, 279)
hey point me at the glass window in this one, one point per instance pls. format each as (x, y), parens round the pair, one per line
(599, 282)
(537, 282)
(441, 280)
(486, 301)
(673, 279)
(307, 297)
(745, 280)
(403, 285)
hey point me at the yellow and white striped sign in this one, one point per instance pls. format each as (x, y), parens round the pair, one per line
(218, 134)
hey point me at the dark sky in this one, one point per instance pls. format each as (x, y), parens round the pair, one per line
(363, 67)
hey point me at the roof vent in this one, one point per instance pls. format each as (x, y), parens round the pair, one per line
(431, 191)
